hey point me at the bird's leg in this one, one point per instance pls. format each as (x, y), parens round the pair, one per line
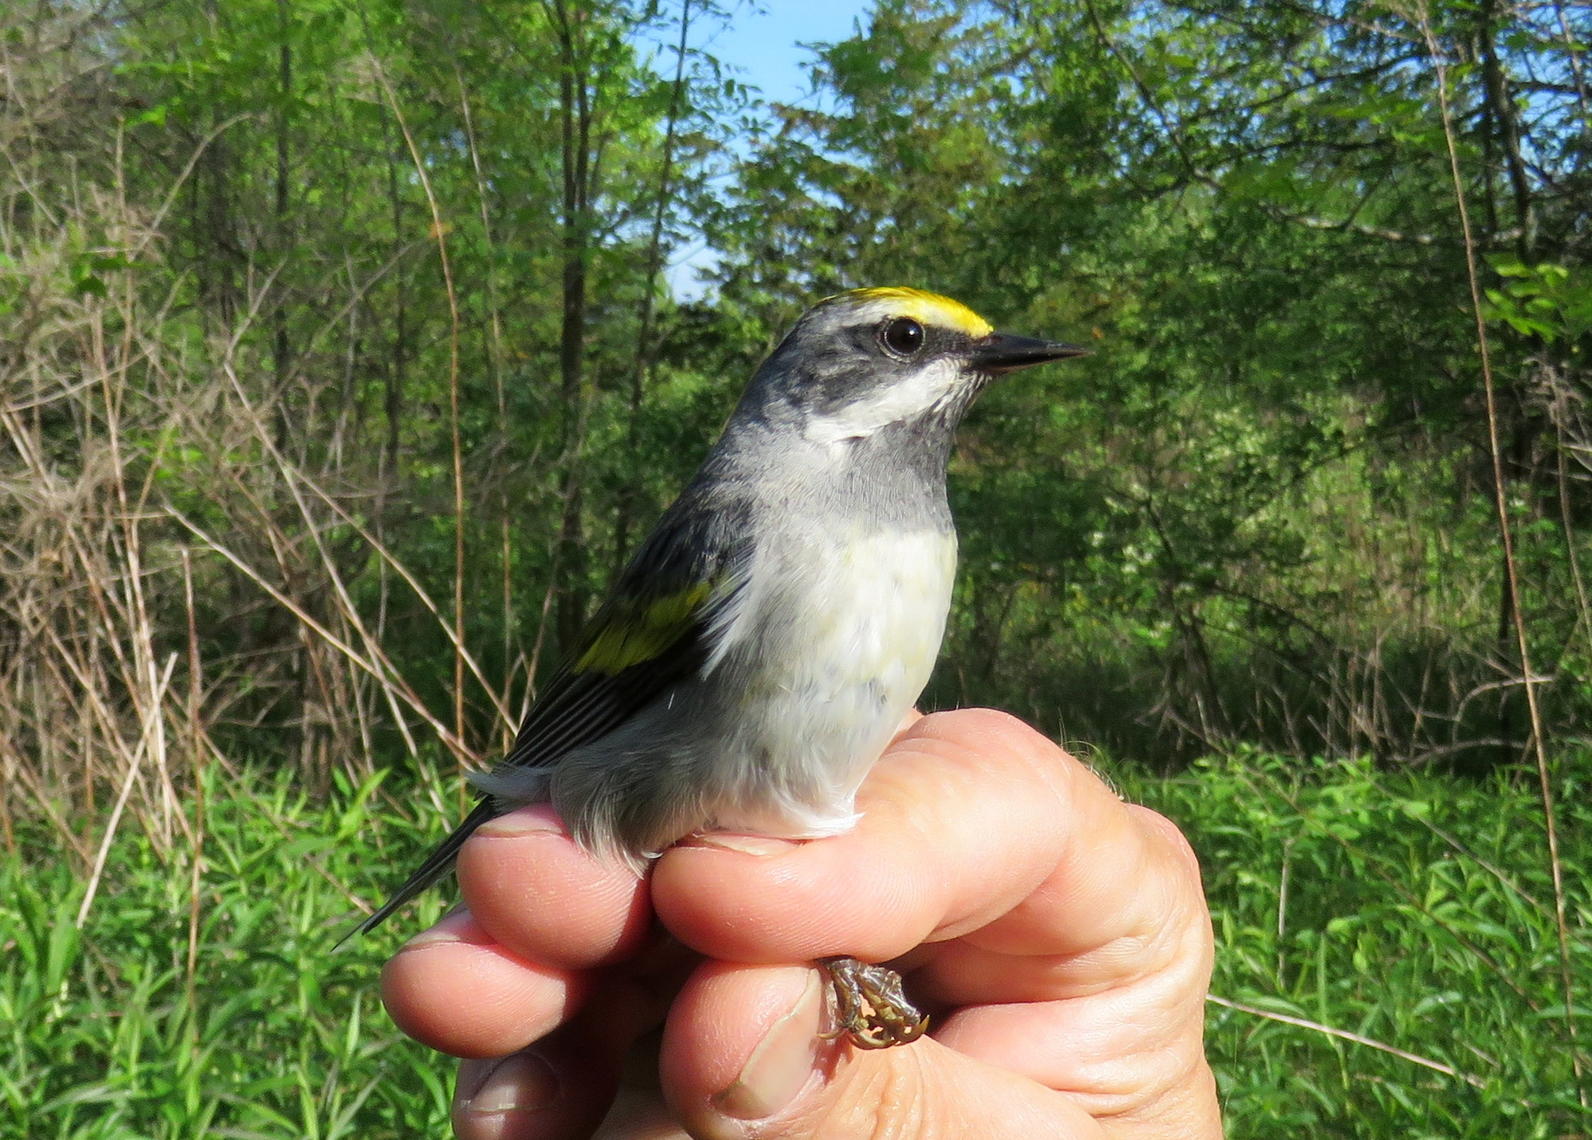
(868, 1007)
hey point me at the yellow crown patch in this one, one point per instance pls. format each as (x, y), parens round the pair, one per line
(920, 305)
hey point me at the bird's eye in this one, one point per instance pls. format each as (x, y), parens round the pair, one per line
(902, 336)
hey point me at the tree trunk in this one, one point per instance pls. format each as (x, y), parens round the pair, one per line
(575, 154)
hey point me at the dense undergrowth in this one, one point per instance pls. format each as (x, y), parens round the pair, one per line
(1411, 911)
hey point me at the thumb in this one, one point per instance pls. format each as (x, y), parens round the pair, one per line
(743, 1056)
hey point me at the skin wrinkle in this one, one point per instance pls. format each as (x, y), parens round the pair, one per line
(1147, 954)
(926, 1092)
(1155, 1077)
(1061, 892)
(1138, 1074)
(1177, 1092)
(1041, 896)
(1157, 1086)
(928, 826)
(1138, 1079)
(894, 1105)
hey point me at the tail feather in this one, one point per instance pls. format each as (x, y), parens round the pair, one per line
(437, 864)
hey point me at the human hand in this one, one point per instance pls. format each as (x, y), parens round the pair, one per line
(1058, 935)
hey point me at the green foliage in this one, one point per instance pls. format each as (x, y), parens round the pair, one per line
(1546, 301)
(1405, 909)
(113, 1030)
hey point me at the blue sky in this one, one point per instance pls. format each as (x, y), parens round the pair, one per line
(761, 45)
(762, 41)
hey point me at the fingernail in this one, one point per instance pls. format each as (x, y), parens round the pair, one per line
(745, 844)
(537, 819)
(521, 1082)
(782, 1063)
(455, 926)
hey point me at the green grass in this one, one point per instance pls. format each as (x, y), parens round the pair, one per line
(271, 1035)
(1414, 911)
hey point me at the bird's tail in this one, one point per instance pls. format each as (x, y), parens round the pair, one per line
(437, 864)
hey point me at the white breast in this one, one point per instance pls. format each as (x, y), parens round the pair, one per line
(879, 605)
(832, 652)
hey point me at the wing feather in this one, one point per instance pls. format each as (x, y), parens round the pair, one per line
(655, 630)
(659, 625)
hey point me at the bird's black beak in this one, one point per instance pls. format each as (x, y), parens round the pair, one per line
(999, 353)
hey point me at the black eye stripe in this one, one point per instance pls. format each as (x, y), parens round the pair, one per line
(902, 336)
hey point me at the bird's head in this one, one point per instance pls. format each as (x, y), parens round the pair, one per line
(861, 361)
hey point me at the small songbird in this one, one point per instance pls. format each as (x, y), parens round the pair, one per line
(761, 648)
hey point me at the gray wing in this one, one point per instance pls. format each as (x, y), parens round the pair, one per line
(655, 629)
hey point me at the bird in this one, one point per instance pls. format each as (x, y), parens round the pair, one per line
(762, 646)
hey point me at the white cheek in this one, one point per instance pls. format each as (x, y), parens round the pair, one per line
(930, 387)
